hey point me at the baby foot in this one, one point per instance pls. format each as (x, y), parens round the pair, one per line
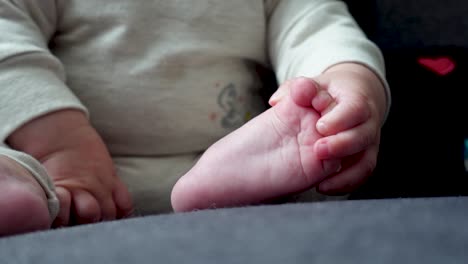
(23, 203)
(270, 156)
(77, 161)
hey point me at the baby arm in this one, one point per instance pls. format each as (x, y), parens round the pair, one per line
(79, 164)
(320, 39)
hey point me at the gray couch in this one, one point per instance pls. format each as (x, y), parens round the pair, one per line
(416, 230)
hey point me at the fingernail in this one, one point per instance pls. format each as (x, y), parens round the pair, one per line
(321, 127)
(331, 166)
(321, 101)
(322, 149)
(339, 168)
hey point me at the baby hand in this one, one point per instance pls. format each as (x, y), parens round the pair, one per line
(351, 101)
(80, 166)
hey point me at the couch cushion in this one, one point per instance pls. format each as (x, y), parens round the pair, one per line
(376, 231)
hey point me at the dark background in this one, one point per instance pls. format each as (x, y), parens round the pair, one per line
(422, 146)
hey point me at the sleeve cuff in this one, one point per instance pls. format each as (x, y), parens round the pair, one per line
(29, 93)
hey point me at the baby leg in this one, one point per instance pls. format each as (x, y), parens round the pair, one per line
(270, 156)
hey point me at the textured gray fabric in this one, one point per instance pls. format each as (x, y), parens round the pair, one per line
(432, 230)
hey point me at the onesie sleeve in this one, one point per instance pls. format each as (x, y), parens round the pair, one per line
(32, 79)
(308, 36)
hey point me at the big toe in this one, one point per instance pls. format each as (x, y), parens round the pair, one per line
(303, 91)
(22, 209)
(180, 196)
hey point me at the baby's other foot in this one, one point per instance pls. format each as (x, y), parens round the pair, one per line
(23, 203)
(269, 157)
